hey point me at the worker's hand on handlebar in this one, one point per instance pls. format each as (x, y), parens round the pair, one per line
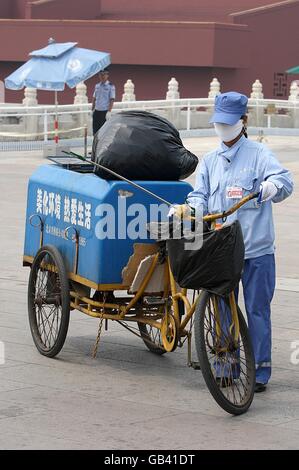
(267, 191)
(182, 211)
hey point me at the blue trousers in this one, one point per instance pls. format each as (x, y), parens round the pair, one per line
(258, 282)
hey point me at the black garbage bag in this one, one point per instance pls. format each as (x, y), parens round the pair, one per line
(142, 146)
(216, 266)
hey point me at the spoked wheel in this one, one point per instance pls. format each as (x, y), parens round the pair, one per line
(226, 358)
(48, 301)
(152, 338)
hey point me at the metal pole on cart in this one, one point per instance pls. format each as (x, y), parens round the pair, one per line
(56, 137)
(85, 141)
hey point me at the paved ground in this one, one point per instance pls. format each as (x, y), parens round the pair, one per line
(127, 398)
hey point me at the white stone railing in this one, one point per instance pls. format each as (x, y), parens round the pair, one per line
(31, 121)
(37, 122)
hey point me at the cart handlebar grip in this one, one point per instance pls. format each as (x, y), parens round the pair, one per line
(234, 208)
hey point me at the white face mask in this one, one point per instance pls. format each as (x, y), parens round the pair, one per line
(228, 133)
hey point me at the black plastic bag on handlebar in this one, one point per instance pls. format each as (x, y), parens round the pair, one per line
(142, 146)
(216, 266)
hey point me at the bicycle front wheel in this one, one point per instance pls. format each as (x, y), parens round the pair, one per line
(226, 358)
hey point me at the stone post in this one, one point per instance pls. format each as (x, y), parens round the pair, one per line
(257, 91)
(173, 90)
(81, 119)
(214, 88)
(294, 103)
(129, 89)
(81, 94)
(30, 97)
(173, 94)
(30, 122)
(258, 111)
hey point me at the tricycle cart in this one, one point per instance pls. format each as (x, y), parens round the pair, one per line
(76, 264)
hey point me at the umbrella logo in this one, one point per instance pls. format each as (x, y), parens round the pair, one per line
(74, 65)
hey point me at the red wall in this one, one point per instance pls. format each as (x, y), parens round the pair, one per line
(19, 8)
(204, 10)
(6, 10)
(141, 43)
(273, 45)
(65, 9)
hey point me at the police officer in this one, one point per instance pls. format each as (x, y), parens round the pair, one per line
(102, 101)
(239, 167)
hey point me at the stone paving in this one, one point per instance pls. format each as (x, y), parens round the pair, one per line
(127, 398)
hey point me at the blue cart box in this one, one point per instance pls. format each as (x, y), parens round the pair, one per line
(107, 217)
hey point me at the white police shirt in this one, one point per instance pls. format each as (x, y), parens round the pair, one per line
(103, 93)
(230, 173)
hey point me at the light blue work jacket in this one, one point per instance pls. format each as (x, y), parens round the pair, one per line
(239, 170)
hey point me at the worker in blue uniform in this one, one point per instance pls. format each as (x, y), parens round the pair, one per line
(237, 168)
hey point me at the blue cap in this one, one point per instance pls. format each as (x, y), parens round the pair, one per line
(229, 107)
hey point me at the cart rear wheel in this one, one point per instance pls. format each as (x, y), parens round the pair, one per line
(152, 338)
(48, 301)
(227, 365)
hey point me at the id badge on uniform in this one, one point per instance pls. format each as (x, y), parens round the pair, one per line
(234, 192)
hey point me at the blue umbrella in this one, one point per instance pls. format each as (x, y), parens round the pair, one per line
(54, 66)
(58, 64)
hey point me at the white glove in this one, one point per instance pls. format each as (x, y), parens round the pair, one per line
(267, 191)
(108, 115)
(180, 211)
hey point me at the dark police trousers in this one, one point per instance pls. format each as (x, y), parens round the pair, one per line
(98, 120)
